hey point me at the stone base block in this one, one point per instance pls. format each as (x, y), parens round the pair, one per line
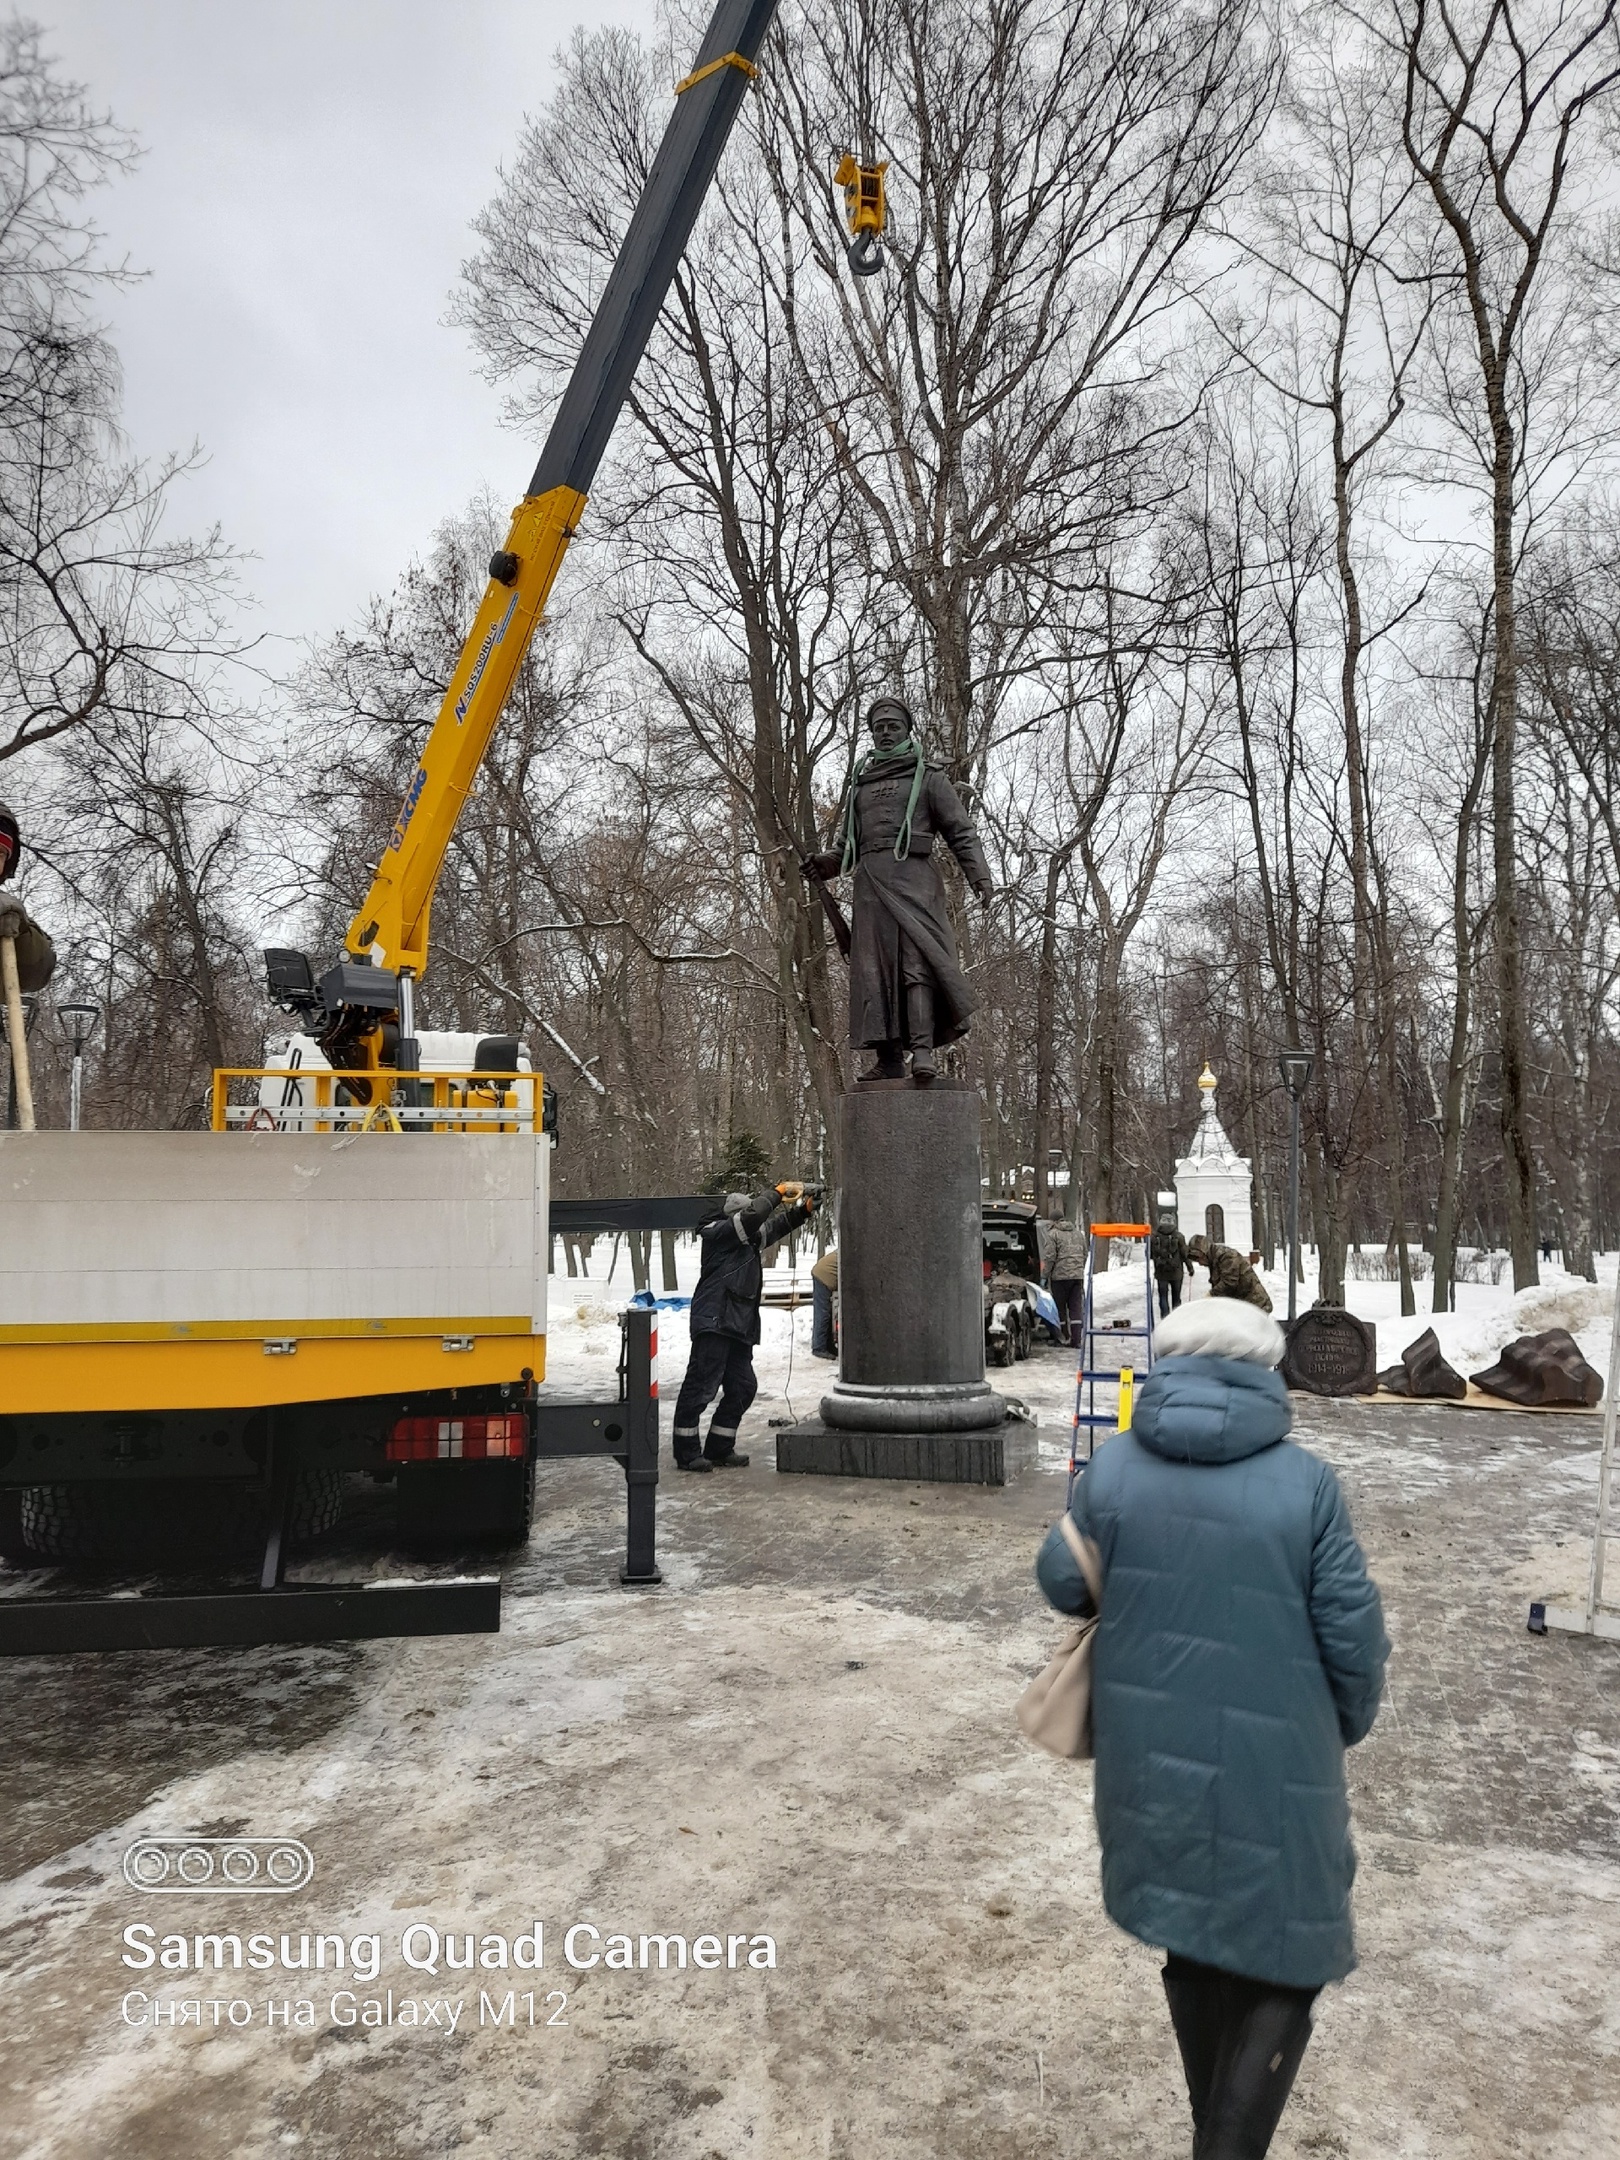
(813, 1449)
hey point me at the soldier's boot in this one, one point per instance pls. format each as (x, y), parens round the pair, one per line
(920, 1027)
(888, 1063)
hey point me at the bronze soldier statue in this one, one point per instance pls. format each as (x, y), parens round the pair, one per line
(906, 986)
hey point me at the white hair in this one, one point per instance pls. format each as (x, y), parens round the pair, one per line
(1220, 1327)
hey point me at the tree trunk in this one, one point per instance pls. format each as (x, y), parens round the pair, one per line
(1327, 1222)
(1045, 1029)
(1518, 1162)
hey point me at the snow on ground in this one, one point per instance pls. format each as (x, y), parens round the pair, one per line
(807, 1732)
(583, 1328)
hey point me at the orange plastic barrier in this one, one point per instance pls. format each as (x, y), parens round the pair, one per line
(1121, 1229)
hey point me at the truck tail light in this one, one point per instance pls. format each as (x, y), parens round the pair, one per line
(463, 1439)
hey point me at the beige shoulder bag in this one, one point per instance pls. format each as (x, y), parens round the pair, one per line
(1055, 1709)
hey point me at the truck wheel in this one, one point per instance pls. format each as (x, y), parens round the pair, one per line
(448, 1503)
(12, 1546)
(317, 1502)
(168, 1518)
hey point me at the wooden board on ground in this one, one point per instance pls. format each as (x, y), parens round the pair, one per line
(1477, 1399)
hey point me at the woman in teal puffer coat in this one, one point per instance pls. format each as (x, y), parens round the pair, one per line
(1241, 1651)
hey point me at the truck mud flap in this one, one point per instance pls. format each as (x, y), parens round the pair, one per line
(225, 1619)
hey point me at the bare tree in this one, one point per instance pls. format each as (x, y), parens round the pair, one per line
(102, 618)
(1349, 290)
(1495, 97)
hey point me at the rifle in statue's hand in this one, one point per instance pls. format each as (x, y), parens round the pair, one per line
(815, 870)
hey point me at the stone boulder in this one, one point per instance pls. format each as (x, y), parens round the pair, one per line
(1540, 1369)
(1423, 1371)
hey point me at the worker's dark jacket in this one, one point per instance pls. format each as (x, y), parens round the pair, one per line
(726, 1300)
(1230, 1275)
(1241, 1651)
(902, 926)
(1169, 1250)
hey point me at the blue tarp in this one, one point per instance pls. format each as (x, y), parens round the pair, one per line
(649, 1303)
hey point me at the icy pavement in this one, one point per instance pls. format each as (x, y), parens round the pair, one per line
(805, 1735)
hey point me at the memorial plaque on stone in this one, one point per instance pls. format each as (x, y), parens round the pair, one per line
(1331, 1352)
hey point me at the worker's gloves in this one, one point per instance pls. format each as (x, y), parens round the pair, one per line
(986, 892)
(790, 1189)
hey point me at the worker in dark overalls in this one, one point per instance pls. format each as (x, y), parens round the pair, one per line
(725, 1320)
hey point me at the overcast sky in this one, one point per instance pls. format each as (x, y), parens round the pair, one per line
(302, 211)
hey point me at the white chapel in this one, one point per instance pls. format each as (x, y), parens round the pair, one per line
(1214, 1182)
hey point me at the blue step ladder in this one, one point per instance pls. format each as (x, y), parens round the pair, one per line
(1089, 1375)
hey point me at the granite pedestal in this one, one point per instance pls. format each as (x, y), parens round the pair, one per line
(911, 1399)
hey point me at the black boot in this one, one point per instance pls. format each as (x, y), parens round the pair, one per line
(1197, 1998)
(920, 1028)
(888, 1063)
(1261, 2052)
(720, 1452)
(688, 1449)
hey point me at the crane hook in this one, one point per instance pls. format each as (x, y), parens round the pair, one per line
(866, 211)
(866, 255)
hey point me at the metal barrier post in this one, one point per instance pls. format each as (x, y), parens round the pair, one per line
(641, 1446)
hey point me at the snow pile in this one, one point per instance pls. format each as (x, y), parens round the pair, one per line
(1565, 1301)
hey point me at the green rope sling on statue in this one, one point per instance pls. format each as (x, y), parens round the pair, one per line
(902, 845)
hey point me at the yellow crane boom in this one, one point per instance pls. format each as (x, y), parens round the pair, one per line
(390, 929)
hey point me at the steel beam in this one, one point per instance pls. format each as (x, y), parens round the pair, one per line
(297, 1613)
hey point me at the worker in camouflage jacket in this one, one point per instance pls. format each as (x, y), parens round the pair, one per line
(1063, 1245)
(1230, 1275)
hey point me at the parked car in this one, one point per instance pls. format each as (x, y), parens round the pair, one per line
(1013, 1297)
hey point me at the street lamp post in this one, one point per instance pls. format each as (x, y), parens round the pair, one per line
(1296, 1067)
(80, 1021)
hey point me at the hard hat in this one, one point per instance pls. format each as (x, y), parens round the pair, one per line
(10, 843)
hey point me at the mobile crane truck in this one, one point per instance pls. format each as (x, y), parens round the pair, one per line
(349, 1271)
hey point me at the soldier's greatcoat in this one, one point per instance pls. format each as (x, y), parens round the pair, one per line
(901, 931)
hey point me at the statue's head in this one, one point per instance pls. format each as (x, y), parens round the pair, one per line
(889, 720)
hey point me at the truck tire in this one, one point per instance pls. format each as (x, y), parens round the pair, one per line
(317, 1502)
(169, 1518)
(12, 1545)
(449, 1504)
